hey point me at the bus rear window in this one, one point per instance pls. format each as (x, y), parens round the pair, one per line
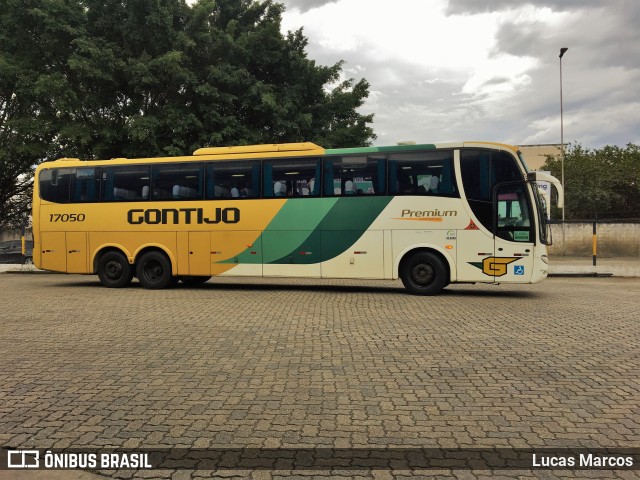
(55, 184)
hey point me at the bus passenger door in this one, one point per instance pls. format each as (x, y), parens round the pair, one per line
(475, 252)
(52, 251)
(514, 234)
(76, 248)
(199, 256)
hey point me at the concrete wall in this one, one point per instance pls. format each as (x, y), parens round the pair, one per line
(9, 235)
(13, 235)
(613, 239)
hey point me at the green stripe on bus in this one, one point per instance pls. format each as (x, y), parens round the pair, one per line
(347, 221)
(291, 227)
(341, 227)
(307, 231)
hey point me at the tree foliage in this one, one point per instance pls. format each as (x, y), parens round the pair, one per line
(600, 183)
(35, 43)
(113, 78)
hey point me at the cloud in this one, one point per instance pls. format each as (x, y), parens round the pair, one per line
(453, 70)
(465, 7)
(606, 36)
(601, 73)
(306, 5)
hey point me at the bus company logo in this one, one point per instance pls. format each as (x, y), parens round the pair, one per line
(494, 266)
(426, 215)
(187, 216)
(23, 459)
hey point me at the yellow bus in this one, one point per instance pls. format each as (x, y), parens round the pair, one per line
(430, 214)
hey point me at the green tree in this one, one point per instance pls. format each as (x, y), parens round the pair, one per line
(113, 78)
(600, 183)
(158, 77)
(35, 43)
(254, 85)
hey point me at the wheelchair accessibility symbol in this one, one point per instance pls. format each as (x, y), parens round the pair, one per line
(518, 269)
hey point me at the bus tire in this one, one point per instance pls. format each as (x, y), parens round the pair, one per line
(114, 270)
(423, 273)
(153, 270)
(194, 279)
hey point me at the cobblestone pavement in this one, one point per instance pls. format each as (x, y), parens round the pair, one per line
(302, 364)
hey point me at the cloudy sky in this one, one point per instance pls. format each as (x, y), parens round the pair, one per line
(451, 70)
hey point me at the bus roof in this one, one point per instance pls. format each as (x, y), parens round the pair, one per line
(506, 146)
(289, 150)
(267, 148)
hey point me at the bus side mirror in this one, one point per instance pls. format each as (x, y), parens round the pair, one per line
(543, 177)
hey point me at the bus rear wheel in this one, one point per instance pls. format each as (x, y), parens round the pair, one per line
(114, 270)
(154, 270)
(423, 273)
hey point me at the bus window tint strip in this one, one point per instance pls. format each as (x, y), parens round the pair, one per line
(427, 172)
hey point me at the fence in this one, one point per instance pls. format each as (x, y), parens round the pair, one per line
(13, 234)
(613, 238)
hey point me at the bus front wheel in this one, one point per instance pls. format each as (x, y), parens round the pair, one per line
(423, 273)
(154, 270)
(114, 270)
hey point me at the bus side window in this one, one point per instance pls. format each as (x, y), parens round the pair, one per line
(291, 177)
(232, 180)
(180, 181)
(85, 185)
(513, 214)
(422, 173)
(124, 183)
(354, 175)
(481, 171)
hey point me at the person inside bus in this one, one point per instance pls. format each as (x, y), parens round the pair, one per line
(240, 191)
(349, 188)
(404, 184)
(310, 185)
(434, 182)
(244, 191)
(279, 189)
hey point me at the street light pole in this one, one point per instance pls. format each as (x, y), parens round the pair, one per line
(562, 52)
